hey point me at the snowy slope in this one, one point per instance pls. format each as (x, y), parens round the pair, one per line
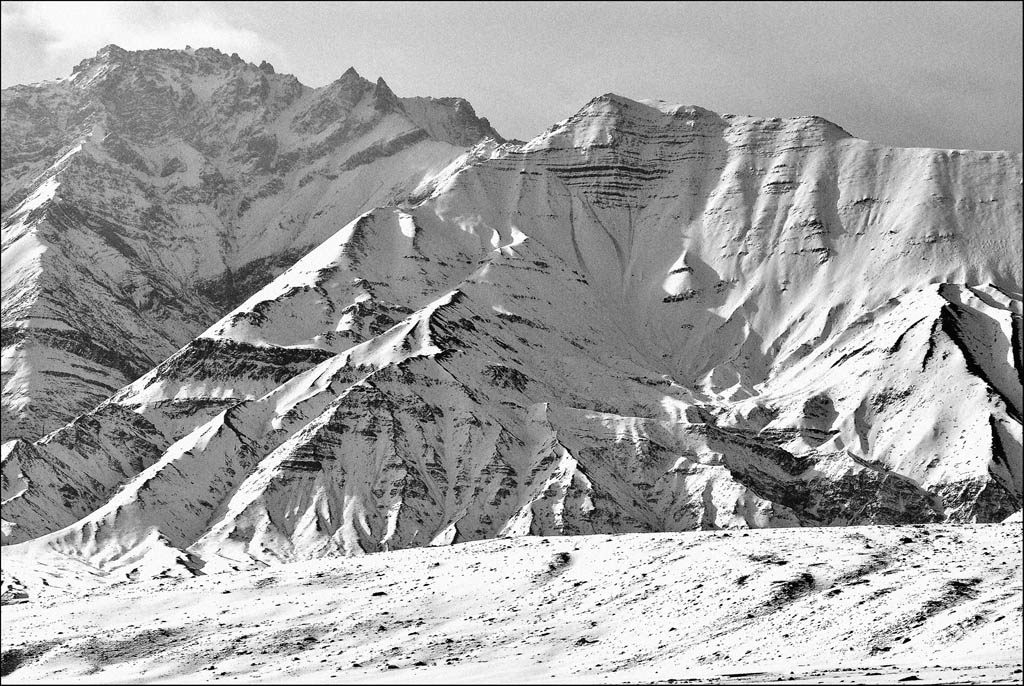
(648, 318)
(938, 603)
(151, 191)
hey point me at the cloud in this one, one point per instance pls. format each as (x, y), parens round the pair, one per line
(67, 32)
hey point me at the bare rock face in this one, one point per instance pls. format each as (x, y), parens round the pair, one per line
(648, 318)
(150, 192)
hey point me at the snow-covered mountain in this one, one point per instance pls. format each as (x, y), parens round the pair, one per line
(150, 192)
(648, 318)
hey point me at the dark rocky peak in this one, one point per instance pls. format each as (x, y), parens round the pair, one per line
(465, 114)
(384, 99)
(210, 98)
(349, 85)
(113, 63)
(107, 59)
(332, 103)
(456, 103)
(350, 75)
(210, 55)
(151, 94)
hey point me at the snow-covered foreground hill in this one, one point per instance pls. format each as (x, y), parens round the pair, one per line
(854, 604)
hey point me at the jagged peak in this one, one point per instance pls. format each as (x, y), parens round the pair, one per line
(107, 55)
(348, 82)
(112, 57)
(205, 52)
(384, 98)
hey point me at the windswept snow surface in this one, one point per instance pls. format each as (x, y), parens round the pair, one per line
(938, 603)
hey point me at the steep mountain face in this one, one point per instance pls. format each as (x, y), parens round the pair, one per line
(152, 191)
(648, 318)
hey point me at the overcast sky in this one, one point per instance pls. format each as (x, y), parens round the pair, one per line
(944, 75)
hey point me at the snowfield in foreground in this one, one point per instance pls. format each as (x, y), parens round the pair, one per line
(854, 604)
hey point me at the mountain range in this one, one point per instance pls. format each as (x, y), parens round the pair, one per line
(246, 321)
